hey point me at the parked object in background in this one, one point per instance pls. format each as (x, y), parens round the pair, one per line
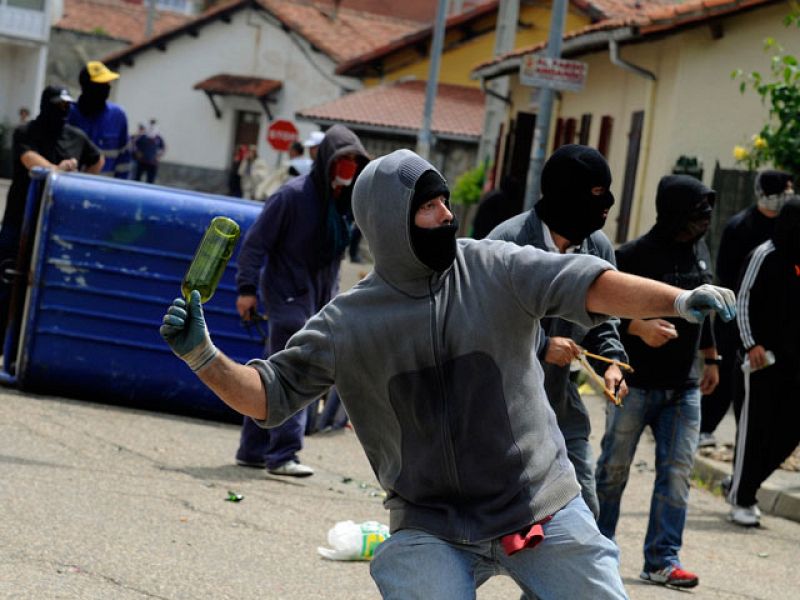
(123, 245)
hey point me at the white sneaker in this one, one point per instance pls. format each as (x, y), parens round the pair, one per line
(292, 468)
(706, 440)
(746, 516)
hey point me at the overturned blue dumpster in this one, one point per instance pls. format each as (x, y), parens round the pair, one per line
(106, 259)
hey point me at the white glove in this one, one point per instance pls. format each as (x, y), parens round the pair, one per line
(694, 305)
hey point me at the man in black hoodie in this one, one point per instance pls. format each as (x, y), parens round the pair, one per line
(47, 142)
(665, 387)
(769, 298)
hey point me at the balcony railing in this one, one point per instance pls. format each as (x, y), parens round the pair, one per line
(27, 19)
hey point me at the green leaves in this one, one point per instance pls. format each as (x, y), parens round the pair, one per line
(778, 142)
(469, 186)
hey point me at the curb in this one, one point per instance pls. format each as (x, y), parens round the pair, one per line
(773, 498)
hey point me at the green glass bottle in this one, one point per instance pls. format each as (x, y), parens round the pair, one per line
(211, 258)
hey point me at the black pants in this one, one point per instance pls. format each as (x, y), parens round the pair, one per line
(768, 430)
(148, 170)
(729, 390)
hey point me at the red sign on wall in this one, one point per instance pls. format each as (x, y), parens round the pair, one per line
(281, 134)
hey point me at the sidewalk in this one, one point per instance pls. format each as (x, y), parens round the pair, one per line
(780, 494)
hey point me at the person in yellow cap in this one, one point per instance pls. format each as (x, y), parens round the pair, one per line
(104, 122)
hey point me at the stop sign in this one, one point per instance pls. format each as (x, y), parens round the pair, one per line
(281, 134)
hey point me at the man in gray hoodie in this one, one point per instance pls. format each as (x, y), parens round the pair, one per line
(432, 355)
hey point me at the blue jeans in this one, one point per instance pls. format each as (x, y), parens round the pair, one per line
(579, 452)
(674, 417)
(573, 561)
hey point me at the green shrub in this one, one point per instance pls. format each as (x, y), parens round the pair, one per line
(469, 186)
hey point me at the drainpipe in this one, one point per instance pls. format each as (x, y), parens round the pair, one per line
(616, 59)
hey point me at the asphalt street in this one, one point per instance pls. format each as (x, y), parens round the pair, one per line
(102, 502)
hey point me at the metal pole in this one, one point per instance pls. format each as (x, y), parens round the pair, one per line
(542, 131)
(424, 136)
(495, 108)
(151, 13)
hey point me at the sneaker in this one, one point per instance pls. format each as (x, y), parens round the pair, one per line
(292, 468)
(746, 516)
(707, 440)
(672, 576)
(252, 464)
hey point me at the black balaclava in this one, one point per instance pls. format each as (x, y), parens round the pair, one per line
(683, 208)
(435, 248)
(92, 100)
(770, 189)
(53, 110)
(568, 206)
(786, 235)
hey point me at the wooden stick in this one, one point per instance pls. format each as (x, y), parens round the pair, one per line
(599, 381)
(613, 361)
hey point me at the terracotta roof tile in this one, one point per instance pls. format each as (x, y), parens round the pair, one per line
(647, 16)
(239, 85)
(115, 18)
(416, 10)
(458, 110)
(350, 34)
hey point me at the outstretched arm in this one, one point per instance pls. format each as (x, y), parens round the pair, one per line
(239, 386)
(634, 297)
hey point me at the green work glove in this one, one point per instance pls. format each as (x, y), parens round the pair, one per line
(184, 329)
(694, 305)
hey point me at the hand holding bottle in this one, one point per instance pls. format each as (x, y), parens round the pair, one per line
(184, 329)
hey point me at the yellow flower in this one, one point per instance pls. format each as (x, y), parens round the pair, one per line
(759, 142)
(740, 153)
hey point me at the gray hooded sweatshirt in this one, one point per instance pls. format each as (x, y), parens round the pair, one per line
(438, 371)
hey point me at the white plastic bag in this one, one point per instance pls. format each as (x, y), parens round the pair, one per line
(354, 541)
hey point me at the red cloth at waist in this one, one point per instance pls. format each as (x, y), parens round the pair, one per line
(514, 542)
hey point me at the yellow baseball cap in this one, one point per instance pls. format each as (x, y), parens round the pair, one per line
(99, 73)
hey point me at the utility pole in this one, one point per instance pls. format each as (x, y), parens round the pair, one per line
(424, 136)
(497, 89)
(151, 15)
(546, 95)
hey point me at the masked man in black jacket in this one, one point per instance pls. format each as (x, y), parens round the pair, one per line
(665, 387)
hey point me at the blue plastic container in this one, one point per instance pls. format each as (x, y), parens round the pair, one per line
(108, 258)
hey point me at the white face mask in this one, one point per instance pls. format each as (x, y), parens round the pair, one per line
(341, 182)
(775, 202)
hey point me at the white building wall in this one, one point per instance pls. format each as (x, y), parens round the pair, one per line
(160, 85)
(21, 79)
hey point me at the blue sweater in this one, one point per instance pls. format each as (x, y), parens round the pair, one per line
(109, 132)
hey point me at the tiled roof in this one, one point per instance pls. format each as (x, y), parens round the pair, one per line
(115, 18)
(343, 36)
(350, 34)
(641, 17)
(416, 10)
(238, 85)
(458, 110)
(480, 9)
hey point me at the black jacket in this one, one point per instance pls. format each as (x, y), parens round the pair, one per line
(656, 255)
